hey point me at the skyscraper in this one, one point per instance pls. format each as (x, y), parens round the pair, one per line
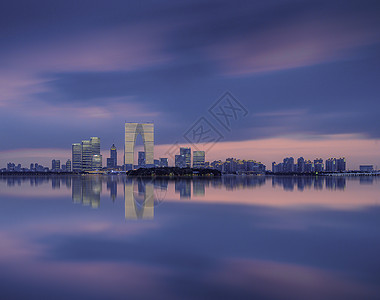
(113, 156)
(86, 155)
(96, 162)
(318, 165)
(132, 130)
(141, 159)
(289, 165)
(77, 157)
(331, 165)
(341, 164)
(198, 159)
(186, 152)
(180, 161)
(300, 165)
(95, 145)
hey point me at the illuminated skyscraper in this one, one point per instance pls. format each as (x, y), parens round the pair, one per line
(77, 157)
(96, 162)
(86, 155)
(186, 152)
(132, 130)
(198, 159)
(95, 145)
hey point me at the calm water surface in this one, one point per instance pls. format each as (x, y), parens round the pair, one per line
(110, 237)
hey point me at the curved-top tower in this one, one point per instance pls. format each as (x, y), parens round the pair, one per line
(132, 130)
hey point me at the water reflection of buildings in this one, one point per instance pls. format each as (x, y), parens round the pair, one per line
(139, 199)
(289, 183)
(86, 190)
(183, 187)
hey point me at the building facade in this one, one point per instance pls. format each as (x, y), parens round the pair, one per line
(132, 130)
(198, 159)
(186, 152)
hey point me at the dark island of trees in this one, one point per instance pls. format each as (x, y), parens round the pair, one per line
(173, 172)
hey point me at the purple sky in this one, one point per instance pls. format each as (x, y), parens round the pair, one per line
(69, 70)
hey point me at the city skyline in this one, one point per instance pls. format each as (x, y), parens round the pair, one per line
(313, 87)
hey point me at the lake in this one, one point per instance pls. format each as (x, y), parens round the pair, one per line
(235, 237)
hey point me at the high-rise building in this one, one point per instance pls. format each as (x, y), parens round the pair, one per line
(95, 145)
(164, 162)
(68, 165)
(180, 161)
(341, 164)
(289, 165)
(309, 166)
(77, 157)
(141, 159)
(96, 162)
(156, 163)
(55, 164)
(112, 161)
(331, 165)
(300, 165)
(198, 159)
(83, 155)
(318, 165)
(86, 155)
(146, 130)
(186, 152)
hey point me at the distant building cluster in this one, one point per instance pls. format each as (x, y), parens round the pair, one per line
(86, 155)
(307, 166)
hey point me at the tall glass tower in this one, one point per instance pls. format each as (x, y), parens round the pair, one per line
(77, 157)
(187, 153)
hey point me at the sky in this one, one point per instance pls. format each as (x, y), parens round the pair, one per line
(305, 73)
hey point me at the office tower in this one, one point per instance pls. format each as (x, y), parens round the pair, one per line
(141, 159)
(53, 164)
(180, 161)
(112, 161)
(156, 163)
(164, 162)
(76, 157)
(341, 164)
(96, 162)
(331, 165)
(187, 153)
(95, 145)
(86, 155)
(300, 165)
(198, 159)
(132, 130)
(68, 165)
(289, 165)
(31, 166)
(318, 165)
